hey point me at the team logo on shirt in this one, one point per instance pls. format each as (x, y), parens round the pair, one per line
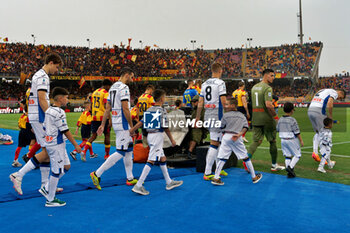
(48, 138)
(152, 120)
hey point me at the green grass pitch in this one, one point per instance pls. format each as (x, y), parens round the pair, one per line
(306, 166)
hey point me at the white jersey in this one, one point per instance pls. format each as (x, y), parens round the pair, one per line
(55, 125)
(117, 93)
(40, 82)
(211, 91)
(320, 100)
(326, 138)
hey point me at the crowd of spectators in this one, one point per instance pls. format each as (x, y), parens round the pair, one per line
(26, 58)
(294, 60)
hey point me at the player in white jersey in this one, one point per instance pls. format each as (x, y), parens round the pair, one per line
(213, 98)
(118, 103)
(56, 133)
(322, 101)
(38, 104)
(326, 145)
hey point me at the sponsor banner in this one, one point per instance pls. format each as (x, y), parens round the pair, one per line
(113, 79)
(169, 72)
(9, 110)
(65, 78)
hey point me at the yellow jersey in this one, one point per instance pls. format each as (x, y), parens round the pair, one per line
(238, 94)
(145, 101)
(22, 121)
(27, 99)
(98, 99)
(84, 119)
(198, 89)
(133, 113)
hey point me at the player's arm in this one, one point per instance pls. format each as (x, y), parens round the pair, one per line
(126, 112)
(138, 125)
(106, 115)
(271, 108)
(245, 105)
(243, 131)
(69, 135)
(42, 100)
(199, 108)
(300, 140)
(223, 99)
(330, 107)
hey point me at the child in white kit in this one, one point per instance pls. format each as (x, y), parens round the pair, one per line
(326, 145)
(234, 125)
(155, 140)
(291, 140)
(56, 132)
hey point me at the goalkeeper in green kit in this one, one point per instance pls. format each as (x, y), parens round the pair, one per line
(264, 117)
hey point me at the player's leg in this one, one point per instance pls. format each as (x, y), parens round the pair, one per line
(270, 134)
(325, 156)
(258, 136)
(314, 119)
(152, 158)
(56, 154)
(107, 141)
(224, 153)
(128, 164)
(212, 153)
(138, 187)
(170, 184)
(88, 145)
(196, 137)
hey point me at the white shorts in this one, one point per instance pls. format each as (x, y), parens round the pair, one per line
(58, 157)
(122, 139)
(291, 147)
(316, 120)
(39, 132)
(215, 135)
(155, 142)
(228, 146)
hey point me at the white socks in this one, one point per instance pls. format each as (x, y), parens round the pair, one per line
(112, 159)
(128, 164)
(219, 167)
(294, 162)
(52, 187)
(45, 172)
(249, 164)
(287, 161)
(211, 157)
(26, 168)
(164, 169)
(316, 141)
(144, 174)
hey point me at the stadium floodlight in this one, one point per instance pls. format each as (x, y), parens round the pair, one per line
(34, 37)
(141, 43)
(249, 41)
(88, 40)
(193, 42)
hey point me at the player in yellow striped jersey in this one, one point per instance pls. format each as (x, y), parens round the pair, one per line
(145, 100)
(241, 96)
(98, 102)
(84, 122)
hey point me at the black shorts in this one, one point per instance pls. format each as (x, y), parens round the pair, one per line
(96, 124)
(24, 137)
(242, 110)
(85, 131)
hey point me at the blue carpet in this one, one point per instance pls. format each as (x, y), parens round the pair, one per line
(275, 204)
